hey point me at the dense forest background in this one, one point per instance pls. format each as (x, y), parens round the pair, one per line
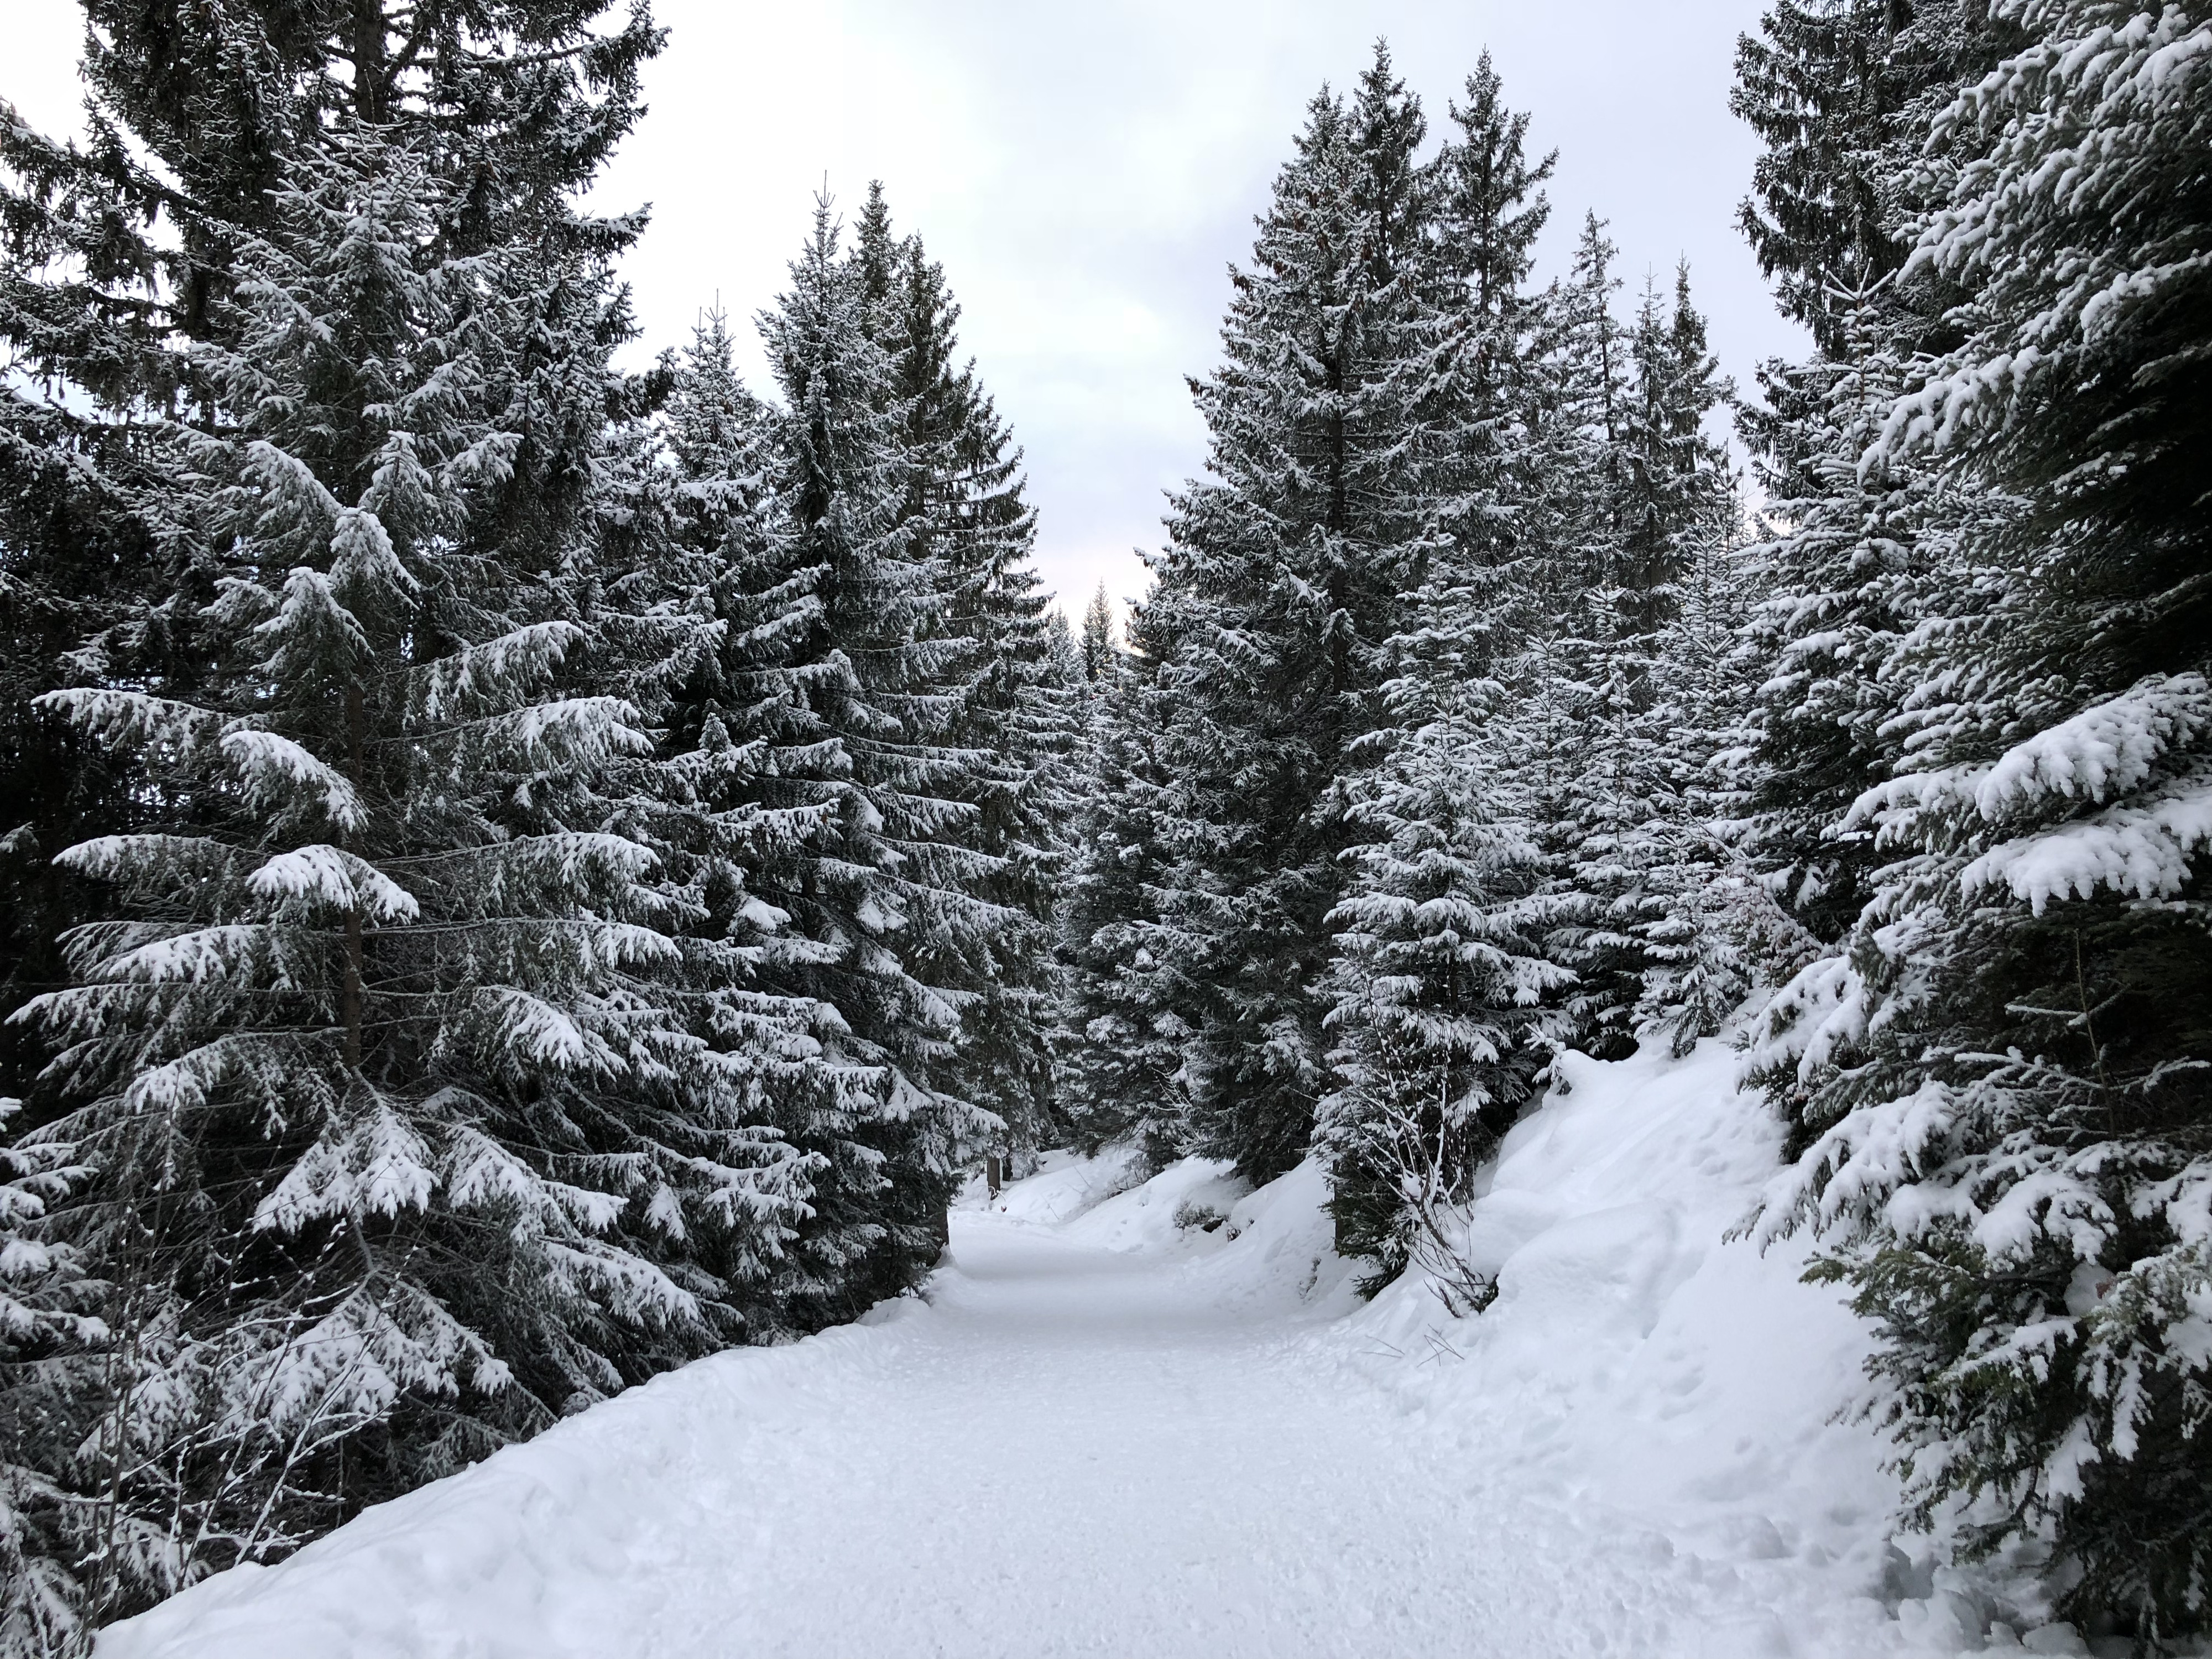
(522, 873)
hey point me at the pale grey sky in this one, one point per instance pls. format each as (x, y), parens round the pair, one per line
(1085, 173)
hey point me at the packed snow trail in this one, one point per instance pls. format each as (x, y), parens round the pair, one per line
(1071, 1452)
(1120, 1433)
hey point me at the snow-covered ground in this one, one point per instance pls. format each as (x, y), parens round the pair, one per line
(1109, 1428)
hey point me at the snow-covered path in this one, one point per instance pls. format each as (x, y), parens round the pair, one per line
(1071, 1451)
(1119, 1435)
(1079, 1453)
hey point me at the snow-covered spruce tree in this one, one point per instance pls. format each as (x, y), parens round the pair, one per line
(1068, 672)
(1677, 476)
(688, 526)
(1270, 603)
(1577, 392)
(120, 249)
(1442, 991)
(74, 557)
(49, 1339)
(841, 676)
(2006, 1070)
(1100, 648)
(78, 445)
(1848, 560)
(1582, 424)
(1843, 94)
(1121, 1035)
(966, 509)
(1708, 929)
(1118, 1038)
(363, 1064)
(1631, 823)
(1446, 991)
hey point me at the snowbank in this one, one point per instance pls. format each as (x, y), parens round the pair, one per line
(1269, 1250)
(513, 1556)
(1639, 1363)
(1063, 1186)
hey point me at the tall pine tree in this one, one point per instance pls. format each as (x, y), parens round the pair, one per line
(1443, 991)
(374, 1076)
(2000, 1074)
(1271, 602)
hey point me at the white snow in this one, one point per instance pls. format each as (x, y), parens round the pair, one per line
(1102, 1431)
(2143, 847)
(332, 875)
(276, 771)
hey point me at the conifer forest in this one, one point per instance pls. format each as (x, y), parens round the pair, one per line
(528, 862)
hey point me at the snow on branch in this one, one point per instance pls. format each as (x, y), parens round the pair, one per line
(309, 626)
(294, 497)
(323, 875)
(205, 956)
(2142, 848)
(129, 718)
(533, 1035)
(374, 1164)
(276, 770)
(2102, 753)
(474, 675)
(128, 858)
(177, 1087)
(630, 1285)
(1818, 1015)
(363, 560)
(480, 1172)
(573, 732)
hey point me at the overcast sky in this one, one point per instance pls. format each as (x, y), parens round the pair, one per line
(1085, 174)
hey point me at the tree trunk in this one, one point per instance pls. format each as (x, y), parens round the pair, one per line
(357, 741)
(352, 994)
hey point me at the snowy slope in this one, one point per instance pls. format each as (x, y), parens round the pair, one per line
(1115, 1428)
(1639, 1367)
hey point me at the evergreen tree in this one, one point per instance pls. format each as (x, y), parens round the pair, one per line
(1844, 94)
(1068, 672)
(1586, 430)
(369, 1067)
(1552, 610)
(1446, 988)
(1009, 722)
(1838, 92)
(1442, 988)
(53, 1348)
(2002, 1075)
(716, 606)
(855, 696)
(1100, 649)
(1707, 928)
(120, 255)
(1271, 602)
(1629, 820)
(1120, 1037)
